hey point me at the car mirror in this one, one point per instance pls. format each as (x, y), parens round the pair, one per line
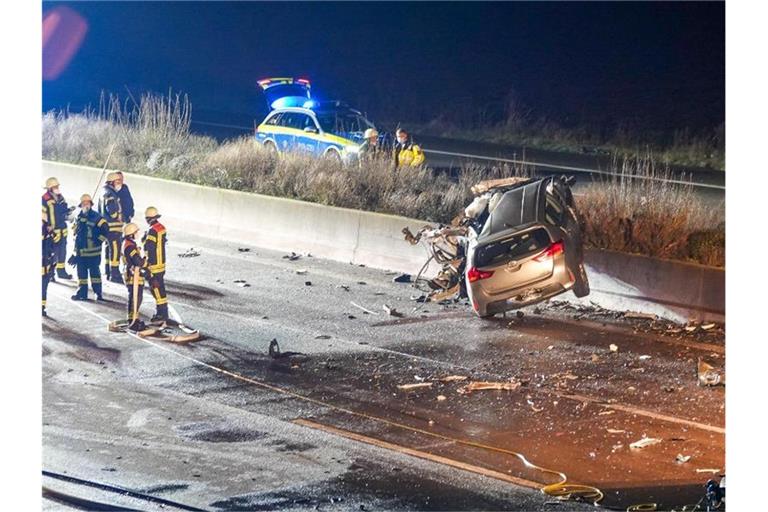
(310, 129)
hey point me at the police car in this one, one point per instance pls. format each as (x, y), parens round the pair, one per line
(297, 122)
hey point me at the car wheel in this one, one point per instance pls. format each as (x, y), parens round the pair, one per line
(581, 286)
(333, 156)
(270, 147)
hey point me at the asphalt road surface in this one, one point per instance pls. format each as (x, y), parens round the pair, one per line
(218, 424)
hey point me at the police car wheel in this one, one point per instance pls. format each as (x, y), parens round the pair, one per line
(270, 147)
(332, 155)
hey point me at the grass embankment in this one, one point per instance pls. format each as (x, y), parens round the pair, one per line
(153, 138)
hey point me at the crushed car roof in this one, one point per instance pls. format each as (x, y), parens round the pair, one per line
(517, 207)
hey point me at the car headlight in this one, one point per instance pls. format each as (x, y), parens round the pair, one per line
(353, 150)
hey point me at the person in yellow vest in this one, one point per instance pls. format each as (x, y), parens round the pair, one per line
(407, 154)
(154, 249)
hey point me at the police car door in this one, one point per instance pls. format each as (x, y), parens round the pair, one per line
(309, 139)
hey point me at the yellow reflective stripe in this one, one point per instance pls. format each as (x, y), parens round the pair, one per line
(96, 280)
(59, 265)
(150, 237)
(160, 267)
(44, 270)
(325, 137)
(44, 302)
(51, 213)
(82, 282)
(162, 301)
(160, 259)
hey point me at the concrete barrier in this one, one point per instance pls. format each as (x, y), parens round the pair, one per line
(674, 290)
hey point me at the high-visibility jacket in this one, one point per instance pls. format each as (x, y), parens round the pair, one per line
(110, 210)
(132, 259)
(154, 247)
(56, 211)
(91, 232)
(408, 155)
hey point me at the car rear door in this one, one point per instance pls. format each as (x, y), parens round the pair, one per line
(515, 260)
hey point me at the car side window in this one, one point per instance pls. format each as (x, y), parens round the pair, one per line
(291, 120)
(308, 122)
(274, 120)
(553, 211)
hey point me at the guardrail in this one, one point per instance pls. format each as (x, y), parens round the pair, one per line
(675, 290)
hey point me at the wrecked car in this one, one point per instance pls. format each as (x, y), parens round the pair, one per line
(518, 243)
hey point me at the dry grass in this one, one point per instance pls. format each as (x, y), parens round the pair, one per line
(152, 137)
(648, 216)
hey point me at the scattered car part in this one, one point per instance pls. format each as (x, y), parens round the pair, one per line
(708, 375)
(484, 385)
(645, 441)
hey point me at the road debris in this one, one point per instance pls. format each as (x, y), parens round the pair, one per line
(708, 470)
(323, 337)
(392, 311)
(276, 353)
(453, 378)
(645, 441)
(485, 385)
(709, 375)
(292, 257)
(682, 459)
(419, 298)
(644, 357)
(189, 253)
(613, 348)
(241, 283)
(402, 278)
(615, 431)
(307, 283)
(441, 398)
(640, 316)
(243, 249)
(606, 413)
(364, 310)
(533, 406)
(343, 287)
(301, 271)
(707, 327)
(416, 385)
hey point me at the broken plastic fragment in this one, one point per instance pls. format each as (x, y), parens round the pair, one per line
(709, 375)
(682, 459)
(417, 385)
(392, 311)
(292, 257)
(453, 378)
(402, 278)
(189, 253)
(484, 385)
(613, 348)
(644, 357)
(646, 441)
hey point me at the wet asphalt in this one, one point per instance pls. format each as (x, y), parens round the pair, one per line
(328, 428)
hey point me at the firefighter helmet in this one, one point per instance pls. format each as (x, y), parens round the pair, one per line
(151, 213)
(113, 176)
(51, 183)
(85, 198)
(370, 132)
(130, 229)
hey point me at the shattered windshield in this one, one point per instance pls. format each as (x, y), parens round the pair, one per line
(342, 122)
(519, 246)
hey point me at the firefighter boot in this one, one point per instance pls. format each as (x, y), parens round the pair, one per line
(161, 316)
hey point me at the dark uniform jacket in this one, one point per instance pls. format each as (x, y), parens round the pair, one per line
(56, 210)
(126, 202)
(48, 251)
(132, 259)
(154, 247)
(110, 210)
(90, 233)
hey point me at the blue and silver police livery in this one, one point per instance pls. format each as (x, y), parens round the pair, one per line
(299, 123)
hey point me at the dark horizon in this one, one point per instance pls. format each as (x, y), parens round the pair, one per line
(648, 66)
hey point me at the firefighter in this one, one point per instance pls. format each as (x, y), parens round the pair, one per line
(154, 249)
(111, 211)
(91, 232)
(135, 265)
(370, 146)
(126, 199)
(49, 256)
(57, 212)
(407, 154)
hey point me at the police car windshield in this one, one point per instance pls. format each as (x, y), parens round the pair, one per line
(342, 122)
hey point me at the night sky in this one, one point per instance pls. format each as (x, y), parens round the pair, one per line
(651, 65)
